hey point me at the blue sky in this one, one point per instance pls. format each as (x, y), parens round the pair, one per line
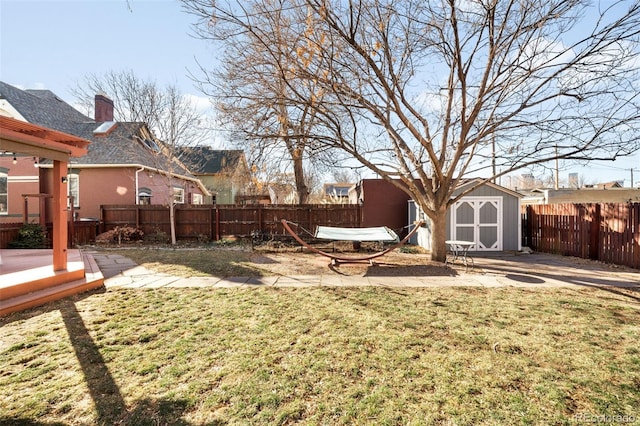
(52, 44)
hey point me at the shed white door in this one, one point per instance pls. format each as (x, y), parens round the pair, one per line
(478, 219)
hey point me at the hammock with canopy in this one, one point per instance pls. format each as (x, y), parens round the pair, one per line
(379, 234)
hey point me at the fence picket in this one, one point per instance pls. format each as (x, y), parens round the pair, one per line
(605, 232)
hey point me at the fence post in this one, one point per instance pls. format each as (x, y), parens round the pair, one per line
(217, 223)
(594, 237)
(634, 219)
(211, 219)
(529, 226)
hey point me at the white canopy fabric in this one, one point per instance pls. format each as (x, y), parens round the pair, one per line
(379, 233)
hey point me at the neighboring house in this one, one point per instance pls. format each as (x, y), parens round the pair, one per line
(336, 192)
(224, 173)
(282, 193)
(614, 194)
(125, 164)
(607, 185)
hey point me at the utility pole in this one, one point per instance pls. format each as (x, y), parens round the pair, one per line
(557, 177)
(632, 177)
(493, 156)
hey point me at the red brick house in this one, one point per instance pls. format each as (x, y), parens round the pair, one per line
(125, 164)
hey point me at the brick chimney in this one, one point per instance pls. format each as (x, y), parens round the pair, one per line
(103, 108)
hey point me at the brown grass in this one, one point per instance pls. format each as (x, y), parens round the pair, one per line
(322, 356)
(267, 260)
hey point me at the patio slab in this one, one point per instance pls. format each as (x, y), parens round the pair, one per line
(531, 271)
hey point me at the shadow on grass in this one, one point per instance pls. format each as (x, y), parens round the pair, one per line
(19, 421)
(106, 396)
(48, 307)
(218, 263)
(540, 268)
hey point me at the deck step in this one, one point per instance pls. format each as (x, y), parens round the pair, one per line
(92, 279)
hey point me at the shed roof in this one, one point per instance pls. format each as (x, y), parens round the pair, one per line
(473, 181)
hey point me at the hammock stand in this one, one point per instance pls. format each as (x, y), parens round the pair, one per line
(336, 259)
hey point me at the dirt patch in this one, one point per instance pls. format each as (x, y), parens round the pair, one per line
(295, 261)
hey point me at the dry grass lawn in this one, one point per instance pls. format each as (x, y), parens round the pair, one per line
(323, 356)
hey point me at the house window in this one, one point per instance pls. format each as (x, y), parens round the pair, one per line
(4, 177)
(73, 189)
(144, 196)
(197, 199)
(178, 195)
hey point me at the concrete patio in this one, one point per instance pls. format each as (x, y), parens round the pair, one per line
(533, 271)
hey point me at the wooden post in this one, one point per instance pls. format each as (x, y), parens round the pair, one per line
(60, 231)
(72, 219)
(636, 237)
(43, 211)
(211, 217)
(25, 212)
(217, 223)
(594, 237)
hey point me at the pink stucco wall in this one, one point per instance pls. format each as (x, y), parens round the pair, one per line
(118, 186)
(98, 186)
(23, 179)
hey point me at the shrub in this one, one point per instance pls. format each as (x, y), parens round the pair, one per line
(30, 236)
(158, 236)
(120, 234)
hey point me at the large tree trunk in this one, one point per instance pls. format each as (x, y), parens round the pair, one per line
(172, 222)
(438, 236)
(301, 186)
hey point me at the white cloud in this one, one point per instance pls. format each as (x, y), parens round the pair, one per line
(202, 104)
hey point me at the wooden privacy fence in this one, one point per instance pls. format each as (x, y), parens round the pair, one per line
(80, 232)
(606, 232)
(215, 222)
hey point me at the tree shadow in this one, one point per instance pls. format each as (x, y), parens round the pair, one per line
(525, 278)
(20, 421)
(393, 270)
(105, 393)
(540, 269)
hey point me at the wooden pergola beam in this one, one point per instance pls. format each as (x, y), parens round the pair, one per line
(19, 137)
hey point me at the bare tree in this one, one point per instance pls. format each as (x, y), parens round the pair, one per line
(252, 89)
(171, 116)
(425, 93)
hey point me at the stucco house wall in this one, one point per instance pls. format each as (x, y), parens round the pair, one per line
(122, 157)
(22, 178)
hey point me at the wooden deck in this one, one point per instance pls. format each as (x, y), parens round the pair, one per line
(27, 278)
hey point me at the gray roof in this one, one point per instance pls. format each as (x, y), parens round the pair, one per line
(125, 144)
(43, 107)
(204, 160)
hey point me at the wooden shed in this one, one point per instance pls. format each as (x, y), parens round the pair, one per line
(489, 216)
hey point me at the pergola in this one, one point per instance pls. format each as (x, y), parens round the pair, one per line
(21, 138)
